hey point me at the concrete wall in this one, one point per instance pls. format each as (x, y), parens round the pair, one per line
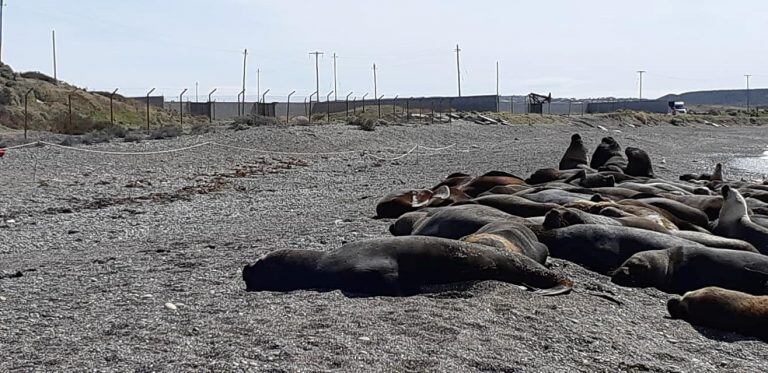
(441, 104)
(156, 101)
(651, 106)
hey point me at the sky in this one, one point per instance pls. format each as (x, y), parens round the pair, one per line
(569, 48)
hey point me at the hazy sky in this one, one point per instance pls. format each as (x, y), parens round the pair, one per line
(569, 48)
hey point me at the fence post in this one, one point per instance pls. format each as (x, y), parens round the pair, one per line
(450, 110)
(394, 105)
(379, 103)
(148, 93)
(69, 100)
(363, 99)
(432, 102)
(210, 106)
(328, 106)
(354, 106)
(181, 107)
(111, 109)
(310, 104)
(262, 107)
(408, 109)
(512, 104)
(306, 112)
(288, 109)
(569, 107)
(347, 104)
(26, 114)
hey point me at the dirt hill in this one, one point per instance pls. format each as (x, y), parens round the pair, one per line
(48, 105)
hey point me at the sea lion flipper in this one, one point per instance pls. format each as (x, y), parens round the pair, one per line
(557, 290)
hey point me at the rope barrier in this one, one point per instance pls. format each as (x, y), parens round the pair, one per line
(125, 153)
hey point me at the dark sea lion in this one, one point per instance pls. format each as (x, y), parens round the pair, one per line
(616, 191)
(723, 309)
(565, 217)
(682, 269)
(608, 156)
(717, 175)
(512, 237)
(592, 180)
(547, 175)
(398, 266)
(638, 163)
(713, 241)
(489, 180)
(456, 222)
(734, 221)
(575, 155)
(406, 223)
(514, 205)
(397, 203)
(604, 248)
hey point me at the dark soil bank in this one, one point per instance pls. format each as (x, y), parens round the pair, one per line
(93, 247)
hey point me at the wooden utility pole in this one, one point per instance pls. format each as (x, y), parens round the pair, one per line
(258, 83)
(375, 82)
(317, 73)
(245, 62)
(458, 68)
(747, 76)
(55, 72)
(335, 82)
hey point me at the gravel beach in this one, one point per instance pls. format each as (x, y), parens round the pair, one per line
(133, 262)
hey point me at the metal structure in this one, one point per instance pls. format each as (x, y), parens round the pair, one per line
(148, 93)
(536, 102)
(211, 106)
(288, 109)
(346, 104)
(26, 114)
(181, 106)
(111, 109)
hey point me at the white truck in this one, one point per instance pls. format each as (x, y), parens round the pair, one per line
(677, 107)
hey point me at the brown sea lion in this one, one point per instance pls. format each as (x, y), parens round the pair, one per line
(455, 222)
(723, 309)
(398, 266)
(397, 203)
(681, 269)
(510, 236)
(575, 156)
(489, 180)
(513, 205)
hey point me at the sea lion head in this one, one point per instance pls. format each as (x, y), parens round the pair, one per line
(283, 270)
(644, 269)
(734, 205)
(561, 218)
(718, 174)
(678, 307)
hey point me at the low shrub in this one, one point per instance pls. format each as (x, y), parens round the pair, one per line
(165, 132)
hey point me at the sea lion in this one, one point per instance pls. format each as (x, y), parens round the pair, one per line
(638, 163)
(455, 222)
(546, 175)
(682, 269)
(575, 155)
(514, 205)
(454, 180)
(734, 221)
(608, 156)
(717, 175)
(489, 180)
(592, 180)
(679, 210)
(398, 266)
(510, 236)
(710, 205)
(604, 248)
(505, 189)
(723, 309)
(565, 217)
(398, 203)
(556, 196)
(406, 223)
(713, 241)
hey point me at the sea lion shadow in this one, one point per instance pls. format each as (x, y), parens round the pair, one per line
(456, 290)
(719, 335)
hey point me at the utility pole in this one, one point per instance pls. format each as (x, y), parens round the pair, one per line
(55, 72)
(458, 68)
(747, 76)
(641, 72)
(335, 82)
(317, 73)
(245, 61)
(375, 82)
(2, 5)
(258, 83)
(196, 87)
(497, 86)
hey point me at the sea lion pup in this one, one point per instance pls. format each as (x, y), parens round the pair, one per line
(513, 205)
(565, 217)
(723, 309)
(512, 237)
(638, 163)
(734, 221)
(682, 269)
(398, 203)
(489, 180)
(455, 222)
(575, 155)
(604, 248)
(593, 180)
(608, 156)
(398, 266)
